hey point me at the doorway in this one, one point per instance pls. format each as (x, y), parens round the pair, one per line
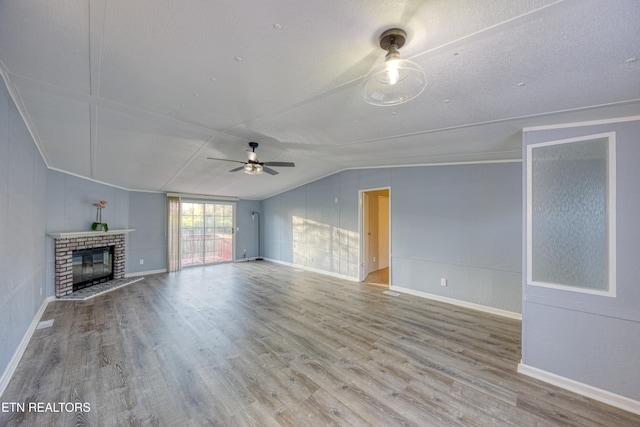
(375, 236)
(206, 232)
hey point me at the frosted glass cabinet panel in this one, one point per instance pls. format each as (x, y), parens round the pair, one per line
(570, 219)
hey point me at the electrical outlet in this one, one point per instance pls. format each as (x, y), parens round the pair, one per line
(141, 261)
(40, 290)
(443, 282)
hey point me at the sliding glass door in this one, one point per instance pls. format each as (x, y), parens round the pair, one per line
(206, 232)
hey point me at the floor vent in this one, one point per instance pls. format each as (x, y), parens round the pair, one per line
(393, 294)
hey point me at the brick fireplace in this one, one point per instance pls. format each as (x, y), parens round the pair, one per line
(66, 243)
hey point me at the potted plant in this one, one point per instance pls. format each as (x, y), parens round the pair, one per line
(99, 225)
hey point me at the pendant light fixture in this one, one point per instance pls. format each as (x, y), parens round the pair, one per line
(396, 80)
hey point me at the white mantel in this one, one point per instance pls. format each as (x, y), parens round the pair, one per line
(73, 234)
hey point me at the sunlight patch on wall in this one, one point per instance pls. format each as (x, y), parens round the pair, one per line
(325, 247)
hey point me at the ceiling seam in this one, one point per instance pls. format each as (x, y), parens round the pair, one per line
(490, 122)
(187, 163)
(501, 26)
(96, 38)
(93, 140)
(125, 109)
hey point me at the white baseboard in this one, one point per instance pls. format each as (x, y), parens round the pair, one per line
(144, 273)
(591, 392)
(314, 270)
(17, 355)
(465, 304)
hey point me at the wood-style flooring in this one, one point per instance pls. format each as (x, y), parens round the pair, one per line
(261, 344)
(378, 277)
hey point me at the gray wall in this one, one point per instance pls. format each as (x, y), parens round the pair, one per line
(247, 234)
(588, 338)
(148, 216)
(23, 211)
(70, 202)
(305, 226)
(462, 223)
(459, 222)
(70, 208)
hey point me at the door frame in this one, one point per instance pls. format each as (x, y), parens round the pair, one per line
(362, 231)
(234, 206)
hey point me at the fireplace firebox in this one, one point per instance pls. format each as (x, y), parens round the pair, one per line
(92, 266)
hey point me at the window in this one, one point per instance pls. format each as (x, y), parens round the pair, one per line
(571, 214)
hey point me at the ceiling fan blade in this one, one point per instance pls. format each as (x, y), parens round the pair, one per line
(225, 160)
(269, 171)
(280, 164)
(237, 169)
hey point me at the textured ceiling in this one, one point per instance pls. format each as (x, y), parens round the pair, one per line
(139, 94)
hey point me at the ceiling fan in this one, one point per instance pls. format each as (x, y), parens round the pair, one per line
(254, 167)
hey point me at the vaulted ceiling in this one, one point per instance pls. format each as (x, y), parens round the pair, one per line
(138, 94)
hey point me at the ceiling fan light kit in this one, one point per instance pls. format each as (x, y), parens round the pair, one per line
(254, 167)
(396, 80)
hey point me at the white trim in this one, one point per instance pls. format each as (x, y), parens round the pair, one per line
(420, 165)
(416, 165)
(360, 235)
(611, 217)
(595, 393)
(22, 110)
(460, 303)
(72, 234)
(581, 124)
(86, 178)
(17, 355)
(144, 273)
(313, 270)
(203, 197)
(361, 276)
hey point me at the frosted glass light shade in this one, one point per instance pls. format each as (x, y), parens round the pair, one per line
(253, 168)
(393, 82)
